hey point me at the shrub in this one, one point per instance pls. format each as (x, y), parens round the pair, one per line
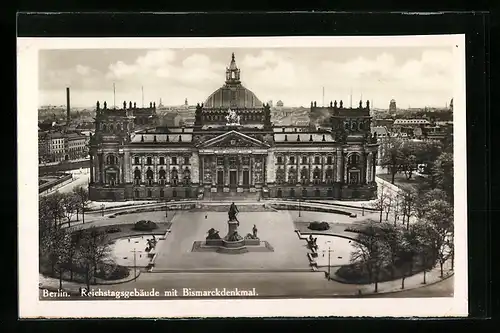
(320, 226)
(111, 230)
(113, 272)
(144, 225)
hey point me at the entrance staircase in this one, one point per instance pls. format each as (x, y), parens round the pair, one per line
(232, 196)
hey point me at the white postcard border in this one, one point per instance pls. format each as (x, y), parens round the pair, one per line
(31, 307)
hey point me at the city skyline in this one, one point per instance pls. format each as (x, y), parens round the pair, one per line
(413, 76)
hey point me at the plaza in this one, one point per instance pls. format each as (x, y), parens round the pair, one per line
(276, 228)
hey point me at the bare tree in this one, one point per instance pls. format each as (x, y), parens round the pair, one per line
(70, 205)
(408, 200)
(83, 199)
(409, 247)
(381, 202)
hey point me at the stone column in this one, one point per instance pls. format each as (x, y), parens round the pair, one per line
(250, 172)
(270, 168)
(126, 166)
(122, 168)
(226, 171)
(345, 177)
(91, 167)
(214, 170)
(194, 160)
(143, 170)
(101, 168)
(201, 160)
(311, 161)
(264, 170)
(240, 171)
(369, 168)
(323, 169)
(362, 172)
(374, 165)
(155, 169)
(339, 165)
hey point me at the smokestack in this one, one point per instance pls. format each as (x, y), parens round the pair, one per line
(67, 106)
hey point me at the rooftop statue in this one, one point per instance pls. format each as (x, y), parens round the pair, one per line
(232, 118)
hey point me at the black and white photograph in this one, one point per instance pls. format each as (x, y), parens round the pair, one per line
(242, 176)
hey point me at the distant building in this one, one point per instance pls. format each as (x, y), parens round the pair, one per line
(392, 106)
(279, 104)
(61, 146)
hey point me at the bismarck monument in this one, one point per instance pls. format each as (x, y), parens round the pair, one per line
(233, 242)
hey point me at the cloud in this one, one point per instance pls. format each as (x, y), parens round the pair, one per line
(294, 77)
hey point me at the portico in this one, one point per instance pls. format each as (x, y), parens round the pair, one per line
(233, 162)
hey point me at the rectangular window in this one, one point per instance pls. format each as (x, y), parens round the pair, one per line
(316, 160)
(304, 160)
(174, 160)
(186, 160)
(137, 160)
(292, 160)
(280, 160)
(149, 193)
(329, 160)
(149, 161)
(162, 160)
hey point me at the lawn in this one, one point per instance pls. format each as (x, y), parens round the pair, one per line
(403, 183)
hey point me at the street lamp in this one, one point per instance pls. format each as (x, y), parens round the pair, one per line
(299, 207)
(362, 209)
(102, 209)
(329, 261)
(135, 263)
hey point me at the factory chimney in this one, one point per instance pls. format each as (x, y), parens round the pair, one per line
(67, 107)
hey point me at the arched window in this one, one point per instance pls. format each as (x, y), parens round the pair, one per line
(104, 128)
(174, 177)
(162, 193)
(280, 176)
(149, 176)
(353, 159)
(329, 175)
(162, 175)
(111, 128)
(111, 160)
(317, 175)
(119, 127)
(292, 176)
(304, 160)
(329, 160)
(187, 176)
(317, 160)
(137, 176)
(304, 176)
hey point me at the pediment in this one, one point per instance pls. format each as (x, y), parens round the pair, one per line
(233, 139)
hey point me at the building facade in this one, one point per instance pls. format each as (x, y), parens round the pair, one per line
(231, 150)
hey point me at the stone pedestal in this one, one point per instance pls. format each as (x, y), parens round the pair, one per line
(226, 189)
(232, 227)
(213, 190)
(239, 190)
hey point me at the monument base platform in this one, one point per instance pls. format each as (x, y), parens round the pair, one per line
(237, 247)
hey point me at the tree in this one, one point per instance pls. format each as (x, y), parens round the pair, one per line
(392, 156)
(409, 150)
(443, 173)
(391, 237)
(94, 251)
(408, 199)
(51, 206)
(424, 198)
(439, 215)
(70, 205)
(381, 202)
(409, 247)
(370, 252)
(425, 245)
(83, 199)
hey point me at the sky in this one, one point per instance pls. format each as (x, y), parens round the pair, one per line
(413, 76)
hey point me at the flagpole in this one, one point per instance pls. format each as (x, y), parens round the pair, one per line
(114, 96)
